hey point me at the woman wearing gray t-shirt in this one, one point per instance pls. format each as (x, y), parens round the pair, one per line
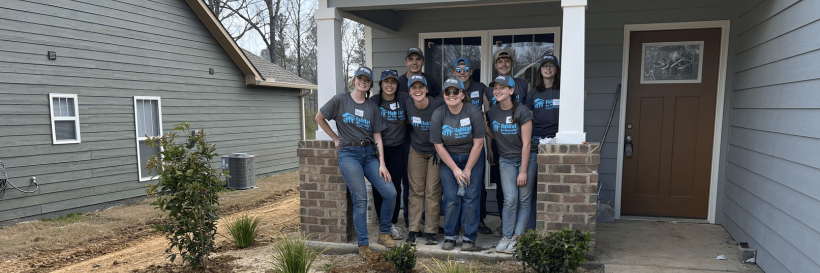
(457, 132)
(361, 154)
(511, 127)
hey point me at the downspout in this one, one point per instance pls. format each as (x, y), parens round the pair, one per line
(302, 110)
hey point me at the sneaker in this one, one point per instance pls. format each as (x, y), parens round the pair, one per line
(431, 239)
(467, 246)
(483, 228)
(502, 245)
(411, 238)
(498, 231)
(395, 232)
(386, 240)
(449, 245)
(511, 248)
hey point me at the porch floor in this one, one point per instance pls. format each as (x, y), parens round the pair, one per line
(663, 246)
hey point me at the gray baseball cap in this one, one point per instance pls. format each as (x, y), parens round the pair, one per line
(416, 78)
(453, 82)
(414, 50)
(504, 80)
(365, 71)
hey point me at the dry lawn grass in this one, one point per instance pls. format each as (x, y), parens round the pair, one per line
(82, 237)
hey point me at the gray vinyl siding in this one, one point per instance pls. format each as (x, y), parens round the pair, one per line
(771, 186)
(605, 31)
(107, 53)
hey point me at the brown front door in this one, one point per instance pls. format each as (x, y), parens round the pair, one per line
(672, 119)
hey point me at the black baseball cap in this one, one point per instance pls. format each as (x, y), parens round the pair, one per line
(548, 58)
(414, 50)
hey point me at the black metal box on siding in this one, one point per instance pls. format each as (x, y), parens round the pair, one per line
(241, 172)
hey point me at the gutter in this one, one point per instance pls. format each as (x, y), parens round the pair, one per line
(254, 81)
(302, 110)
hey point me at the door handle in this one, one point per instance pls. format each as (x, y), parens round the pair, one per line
(628, 147)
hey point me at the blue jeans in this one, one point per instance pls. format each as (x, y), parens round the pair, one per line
(517, 200)
(356, 163)
(467, 205)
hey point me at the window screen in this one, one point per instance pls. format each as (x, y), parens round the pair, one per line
(148, 124)
(65, 121)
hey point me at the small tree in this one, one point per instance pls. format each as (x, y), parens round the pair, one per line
(188, 191)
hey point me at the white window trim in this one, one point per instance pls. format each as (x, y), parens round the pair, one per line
(487, 54)
(75, 118)
(142, 138)
(486, 44)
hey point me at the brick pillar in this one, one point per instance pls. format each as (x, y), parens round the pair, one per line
(567, 186)
(326, 211)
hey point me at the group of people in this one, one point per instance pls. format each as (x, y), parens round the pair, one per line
(417, 142)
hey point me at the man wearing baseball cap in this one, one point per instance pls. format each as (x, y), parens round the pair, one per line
(503, 61)
(414, 60)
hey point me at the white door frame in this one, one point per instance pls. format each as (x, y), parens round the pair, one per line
(721, 90)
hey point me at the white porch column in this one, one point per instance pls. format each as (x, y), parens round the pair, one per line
(329, 59)
(571, 118)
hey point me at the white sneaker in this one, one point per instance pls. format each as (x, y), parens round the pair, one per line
(511, 247)
(395, 232)
(502, 245)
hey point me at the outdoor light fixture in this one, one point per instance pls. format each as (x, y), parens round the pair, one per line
(52, 55)
(211, 70)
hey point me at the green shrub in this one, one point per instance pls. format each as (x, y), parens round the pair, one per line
(450, 266)
(244, 230)
(293, 254)
(403, 257)
(188, 191)
(559, 251)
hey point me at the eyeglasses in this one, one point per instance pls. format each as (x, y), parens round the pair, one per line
(454, 92)
(549, 66)
(465, 69)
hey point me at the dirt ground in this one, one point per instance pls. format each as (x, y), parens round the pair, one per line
(120, 239)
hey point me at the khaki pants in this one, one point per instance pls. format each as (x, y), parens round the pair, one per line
(425, 186)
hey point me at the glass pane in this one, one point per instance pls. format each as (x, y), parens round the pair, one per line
(65, 130)
(56, 107)
(70, 106)
(146, 153)
(147, 118)
(527, 50)
(442, 53)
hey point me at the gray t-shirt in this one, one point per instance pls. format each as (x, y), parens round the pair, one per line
(507, 133)
(392, 112)
(457, 132)
(420, 119)
(476, 92)
(355, 122)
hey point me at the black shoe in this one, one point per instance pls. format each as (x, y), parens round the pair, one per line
(441, 230)
(468, 246)
(411, 238)
(483, 228)
(431, 239)
(449, 245)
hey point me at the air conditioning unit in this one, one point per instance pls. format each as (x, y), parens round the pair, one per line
(240, 168)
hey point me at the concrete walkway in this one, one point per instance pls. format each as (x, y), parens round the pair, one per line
(660, 246)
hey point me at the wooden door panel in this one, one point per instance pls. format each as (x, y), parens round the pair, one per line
(672, 131)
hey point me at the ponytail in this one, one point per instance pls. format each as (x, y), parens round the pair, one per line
(514, 100)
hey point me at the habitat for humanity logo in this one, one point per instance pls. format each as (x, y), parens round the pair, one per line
(446, 130)
(360, 122)
(391, 115)
(460, 132)
(424, 125)
(542, 103)
(505, 129)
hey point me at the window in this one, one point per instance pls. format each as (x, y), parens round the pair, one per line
(148, 119)
(65, 119)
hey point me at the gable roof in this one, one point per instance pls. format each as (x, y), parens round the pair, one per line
(271, 71)
(253, 76)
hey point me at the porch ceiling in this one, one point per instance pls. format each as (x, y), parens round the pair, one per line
(382, 14)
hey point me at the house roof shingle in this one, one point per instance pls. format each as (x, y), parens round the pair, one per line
(272, 72)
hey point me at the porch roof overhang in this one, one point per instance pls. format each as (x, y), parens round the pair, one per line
(383, 14)
(252, 75)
